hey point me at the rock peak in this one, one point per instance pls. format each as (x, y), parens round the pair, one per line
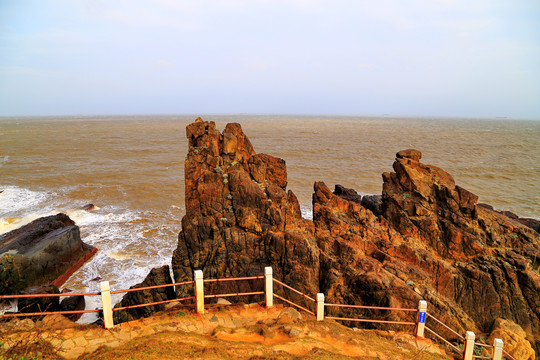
(409, 154)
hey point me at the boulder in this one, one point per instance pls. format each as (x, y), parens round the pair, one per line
(514, 338)
(39, 304)
(347, 194)
(47, 250)
(373, 203)
(411, 154)
(73, 303)
(289, 315)
(157, 276)
(529, 222)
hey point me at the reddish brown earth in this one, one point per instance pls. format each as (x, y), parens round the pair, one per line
(430, 241)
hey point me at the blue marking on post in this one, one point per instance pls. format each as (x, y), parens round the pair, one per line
(422, 317)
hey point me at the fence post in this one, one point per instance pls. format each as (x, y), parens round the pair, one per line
(106, 304)
(469, 346)
(421, 324)
(268, 287)
(199, 291)
(320, 307)
(497, 349)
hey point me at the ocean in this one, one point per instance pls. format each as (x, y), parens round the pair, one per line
(132, 169)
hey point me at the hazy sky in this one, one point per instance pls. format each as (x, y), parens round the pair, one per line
(400, 57)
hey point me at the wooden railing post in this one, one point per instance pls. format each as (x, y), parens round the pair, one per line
(421, 323)
(268, 287)
(497, 349)
(468, 350)
(106, 305)
(199, 291)
(320, 307)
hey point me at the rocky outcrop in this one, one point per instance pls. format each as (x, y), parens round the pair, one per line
(529, 222)
(157, 276)
(239, 215)
(428, 239)
(47, 250)
(514, 338)
(373, 203)
(73, 303)
(347, 194)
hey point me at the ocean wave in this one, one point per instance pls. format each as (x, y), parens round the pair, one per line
(307, 212)
(20, 206)
(14, 199)
(130, 242)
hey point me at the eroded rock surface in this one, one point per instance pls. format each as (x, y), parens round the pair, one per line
(239, 215)
(429, 239)
(514, 339)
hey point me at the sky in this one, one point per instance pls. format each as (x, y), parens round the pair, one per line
(466, 58)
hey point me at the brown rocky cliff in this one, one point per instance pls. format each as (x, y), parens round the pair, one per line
(239, 216)
(489, 259)
(430, 241)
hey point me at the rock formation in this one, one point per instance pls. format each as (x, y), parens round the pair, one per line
(157, 276)
(532, 223)
(72, 303)
(239, 215)
(47, 250)
(514, 339)
(430, 240)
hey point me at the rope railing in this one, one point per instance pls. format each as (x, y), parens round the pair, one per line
(293, 304)
(199, 297)
(233, 279)
(370, 320)
(443, 339)
(43, 313)
(152, 303)
(506, 354)
(371, 307)
(234, 294)
(151, 287)
(294, 290)
(445, 326)
(47, 295)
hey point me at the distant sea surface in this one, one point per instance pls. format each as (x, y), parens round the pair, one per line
(132, 168)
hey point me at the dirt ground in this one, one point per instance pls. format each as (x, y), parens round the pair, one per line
(233, 332)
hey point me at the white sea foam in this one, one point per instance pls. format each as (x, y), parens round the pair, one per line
(19, 206)
(14, 199)
(129, 242)
(4, 159)
(128, 248)
(307, 212)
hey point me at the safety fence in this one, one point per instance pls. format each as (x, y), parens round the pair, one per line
(468, 347)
